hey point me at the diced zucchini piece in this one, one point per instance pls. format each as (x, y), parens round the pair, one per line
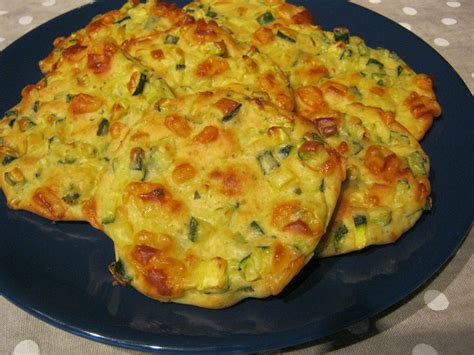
(210, 13)
(8, 159)
(126, 18)
(375, 62)
(25, 124)
(340, 232)
(360, 222)
(36, 106)
(71, 198)
(265, 19)
(428, 204)
(285, 37)
(381, 216)
(362, 49)
(103, 127)
(141, 85)
(11, 113)
(267, 161)
(170, 39)
(346, 53)
(356, 147)
(341, 34)
(282, 178)
(248, 267)
(193, 229)
(399, 137)
(256, 228)
(211, 276)
(355, 90)
(245, 289)
(316, 137)
(67, 160)
(417, 164)
(109, 218)
(285, 151)
(119, 272)
(232, 113)
(399, 70)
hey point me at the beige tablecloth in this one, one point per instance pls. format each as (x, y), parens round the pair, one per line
(438, 319)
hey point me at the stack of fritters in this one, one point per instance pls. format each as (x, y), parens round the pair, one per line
(221, 145)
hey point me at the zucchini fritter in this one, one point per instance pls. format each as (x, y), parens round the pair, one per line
(58, 139)
(311, 56)
(209, 201)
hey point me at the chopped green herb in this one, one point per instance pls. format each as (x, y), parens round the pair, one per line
(193, 229)
(375, 62)
(265, 19)
(197, 195)
(232, 114)
(69, 98)
(141, 85)
(180, 66)
(285, 37)
(399, 70)
(381, 83)
(256, 227)
(103, 127)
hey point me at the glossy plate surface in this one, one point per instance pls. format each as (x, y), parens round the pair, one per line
(58, 272)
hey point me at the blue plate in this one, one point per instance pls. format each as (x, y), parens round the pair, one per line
(58, 272)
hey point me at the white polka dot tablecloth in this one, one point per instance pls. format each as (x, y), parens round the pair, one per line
(438, 319)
